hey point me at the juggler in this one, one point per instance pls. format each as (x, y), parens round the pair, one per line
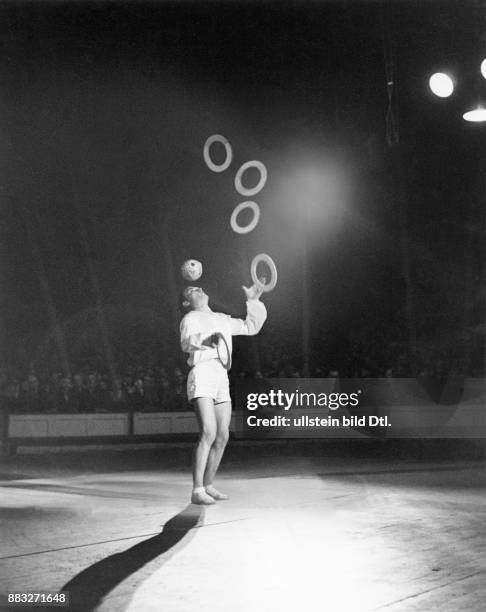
(203, 334)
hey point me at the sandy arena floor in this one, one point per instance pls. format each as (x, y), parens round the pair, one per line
(379, 526)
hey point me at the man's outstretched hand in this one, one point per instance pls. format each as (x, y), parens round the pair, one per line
(255, 291)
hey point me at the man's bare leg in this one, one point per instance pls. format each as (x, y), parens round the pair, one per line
(206, 416)
(223, 418)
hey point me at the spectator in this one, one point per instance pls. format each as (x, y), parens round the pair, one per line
(164, 394)
(64, 402)
(30, 395)
(11, 396)
(150, 391)
(104, 398)
(78, 393)
(137, 396)
(47, 397)
(118, 398)
(179, 395)
(90, 395)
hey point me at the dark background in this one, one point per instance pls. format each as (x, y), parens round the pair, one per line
(105, 109)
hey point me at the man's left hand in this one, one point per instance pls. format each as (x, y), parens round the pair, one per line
(255, 291)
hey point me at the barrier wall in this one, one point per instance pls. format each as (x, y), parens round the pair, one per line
(408, 422)
(417, 409)
(32, 426)
(149, 423)
(68, 425)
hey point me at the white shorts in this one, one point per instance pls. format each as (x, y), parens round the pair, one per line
(209, 379)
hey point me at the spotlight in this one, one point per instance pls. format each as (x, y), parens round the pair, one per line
(441, 84)
(476, 115)
(483, 68)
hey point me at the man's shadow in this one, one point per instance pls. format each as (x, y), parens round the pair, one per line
(88, 588)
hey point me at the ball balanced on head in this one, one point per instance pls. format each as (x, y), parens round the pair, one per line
(191, 270)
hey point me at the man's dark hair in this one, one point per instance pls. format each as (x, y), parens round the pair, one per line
(185, 304)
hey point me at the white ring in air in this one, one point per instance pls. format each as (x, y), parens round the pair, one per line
(264, 258)
(207, 158)
(239, 229)
(261, 183)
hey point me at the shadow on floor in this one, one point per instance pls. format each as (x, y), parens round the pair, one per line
(88, 588)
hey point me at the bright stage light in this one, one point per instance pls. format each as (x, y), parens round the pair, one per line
(441, 85)
(483, 68)
(476, 115)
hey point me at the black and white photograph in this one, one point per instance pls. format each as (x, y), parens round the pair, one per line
(243, 305)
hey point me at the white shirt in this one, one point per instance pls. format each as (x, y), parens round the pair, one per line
(198, 325)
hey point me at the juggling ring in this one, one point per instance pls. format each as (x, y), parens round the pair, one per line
(263, 257)
(261, 183)
(207, 158)
(226, 365)
(239, 229)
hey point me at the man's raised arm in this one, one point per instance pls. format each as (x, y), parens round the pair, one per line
(256, 314)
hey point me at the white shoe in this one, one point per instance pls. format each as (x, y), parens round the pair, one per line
(202, 498)
(215, 494)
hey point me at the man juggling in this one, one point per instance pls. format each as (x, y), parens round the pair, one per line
(204, 333)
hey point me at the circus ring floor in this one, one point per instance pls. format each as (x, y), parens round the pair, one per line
(339, 526)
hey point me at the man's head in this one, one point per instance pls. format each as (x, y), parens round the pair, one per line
(78, 381)
(91, 381)
(33, 383)
(194, 298)
(66, 383)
